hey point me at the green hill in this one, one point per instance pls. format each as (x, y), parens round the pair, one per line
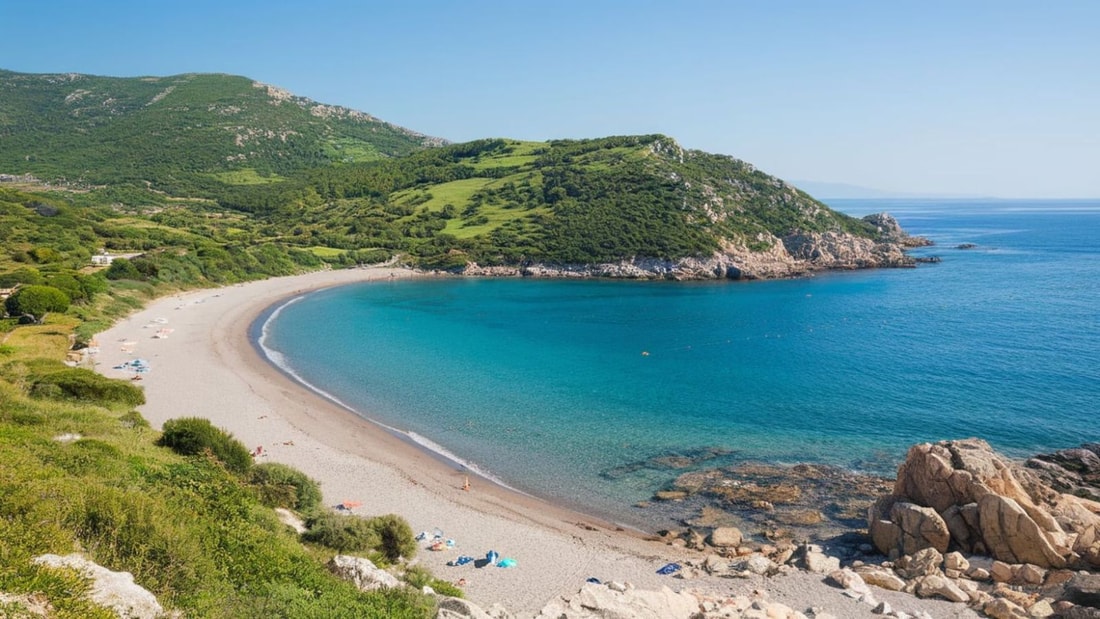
(178, 131)
(564, 202)
(243, 165)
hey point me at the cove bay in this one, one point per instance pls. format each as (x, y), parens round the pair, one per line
(570, 389)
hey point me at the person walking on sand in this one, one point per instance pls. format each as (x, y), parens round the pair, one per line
(466, 484)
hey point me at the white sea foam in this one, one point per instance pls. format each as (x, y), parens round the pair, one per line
(280, 361)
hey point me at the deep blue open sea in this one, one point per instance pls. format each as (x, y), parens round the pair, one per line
(545, 384)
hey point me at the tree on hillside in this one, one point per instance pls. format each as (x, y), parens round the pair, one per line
(36, 302)
(121, 268)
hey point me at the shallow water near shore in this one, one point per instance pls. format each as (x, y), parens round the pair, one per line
(585, 392)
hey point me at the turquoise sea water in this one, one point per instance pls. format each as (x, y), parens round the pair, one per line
(544, 384)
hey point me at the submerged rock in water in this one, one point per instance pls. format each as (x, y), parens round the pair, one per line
(805, 500)
(667, 461)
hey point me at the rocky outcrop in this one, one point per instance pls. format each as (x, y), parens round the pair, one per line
(764, 257)
(291, 520)
(891, 231)
(619, 600)
(1073, 471)
(725, 537)
(615, 600)
(803, 501)
(907, 527)
(458, 608)
(362, 573)
(987, 505)
(114, 590)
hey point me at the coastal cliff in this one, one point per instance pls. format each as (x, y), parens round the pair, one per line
(792, 255)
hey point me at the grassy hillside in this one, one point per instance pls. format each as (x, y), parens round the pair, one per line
(83, 472)
(503, 201)
(223, 167)
(181, 133)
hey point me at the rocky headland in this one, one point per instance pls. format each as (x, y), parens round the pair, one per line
(765, 257)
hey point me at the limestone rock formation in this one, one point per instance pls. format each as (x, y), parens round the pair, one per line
(114, 590)
(362, 572)
(986, 505)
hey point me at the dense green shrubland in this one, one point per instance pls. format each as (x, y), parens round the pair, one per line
(189, 528)
(279, 485)
(191, 436)
(85, 385)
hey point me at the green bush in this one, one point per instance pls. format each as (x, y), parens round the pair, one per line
(121, 268)
(86, 385)
(123, 526)
(282, 486)
(395, 536)
(342, 532)
(133, 419)
(89, 456)
(36, 301)
(190, 436)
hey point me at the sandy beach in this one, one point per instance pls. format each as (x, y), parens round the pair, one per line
(208, 367)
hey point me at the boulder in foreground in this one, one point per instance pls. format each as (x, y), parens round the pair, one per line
(963, 494)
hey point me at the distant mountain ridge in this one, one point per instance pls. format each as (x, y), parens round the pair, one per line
(160, 129)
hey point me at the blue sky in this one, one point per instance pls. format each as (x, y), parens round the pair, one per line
(994, 98)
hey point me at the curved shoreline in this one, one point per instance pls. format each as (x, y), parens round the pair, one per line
(258, 333)
(209, 367)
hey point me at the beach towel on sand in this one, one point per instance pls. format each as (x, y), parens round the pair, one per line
(670, 568)
(462, 560)
(506, 563)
